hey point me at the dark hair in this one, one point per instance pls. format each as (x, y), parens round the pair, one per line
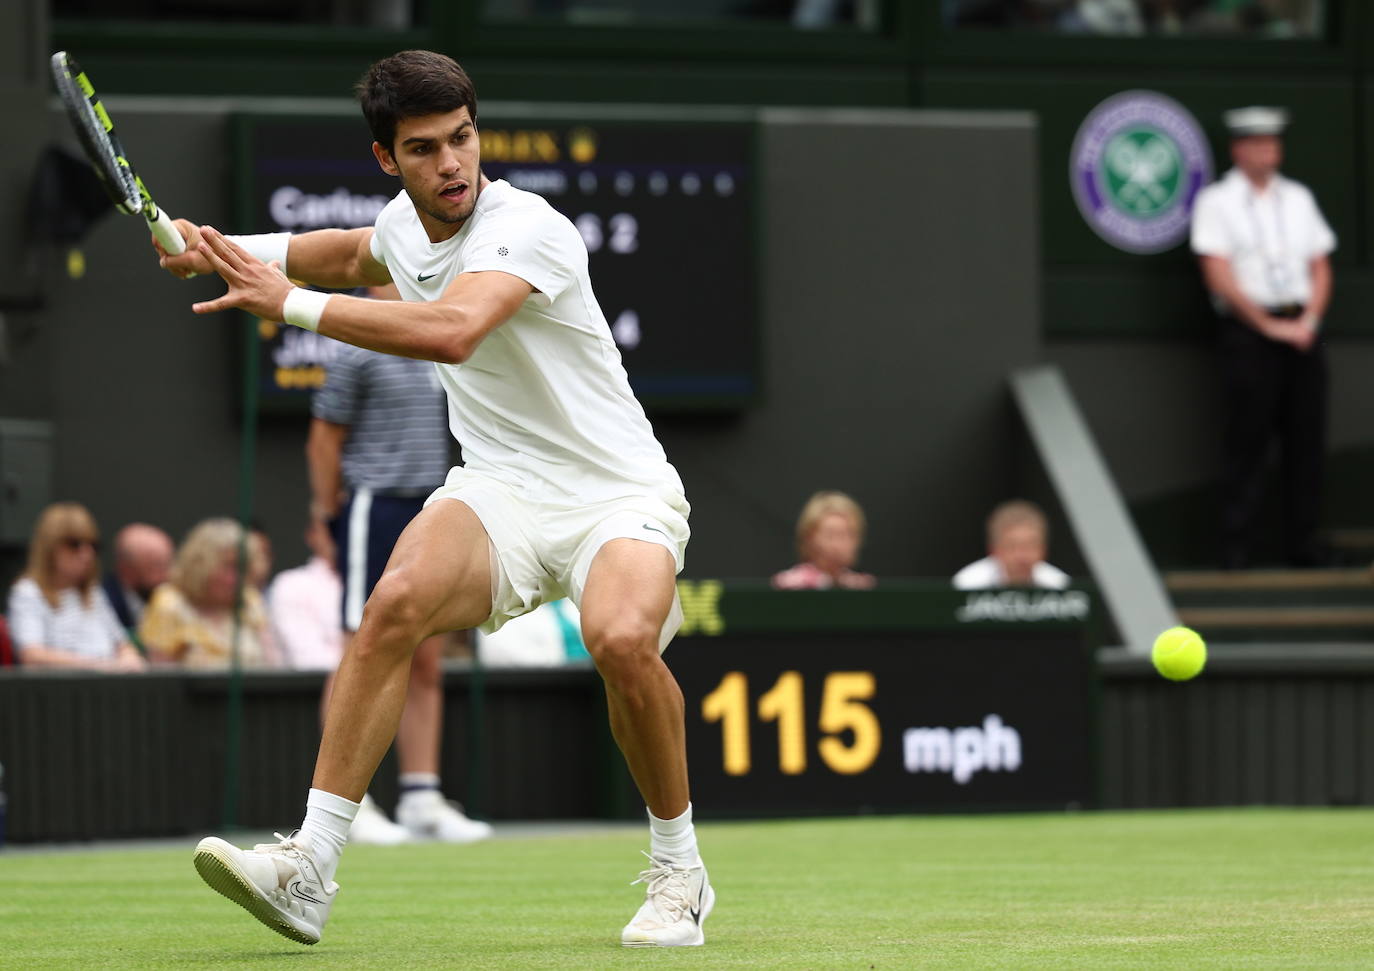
(409, 85)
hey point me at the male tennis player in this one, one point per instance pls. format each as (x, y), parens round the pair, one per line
(565, 490)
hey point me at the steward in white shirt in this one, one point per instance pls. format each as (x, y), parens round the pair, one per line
(1263, 247)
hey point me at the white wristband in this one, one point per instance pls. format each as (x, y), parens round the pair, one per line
(303, 308)
(266, 246)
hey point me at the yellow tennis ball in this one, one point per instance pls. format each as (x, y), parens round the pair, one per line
(1179, 654)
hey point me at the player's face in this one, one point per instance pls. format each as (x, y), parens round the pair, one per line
(1018, 549)
(438, 160)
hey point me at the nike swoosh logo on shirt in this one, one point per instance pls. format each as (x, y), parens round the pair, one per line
(422, 278)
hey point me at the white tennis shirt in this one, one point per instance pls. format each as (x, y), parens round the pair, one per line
(544, 403)
(1269, 237)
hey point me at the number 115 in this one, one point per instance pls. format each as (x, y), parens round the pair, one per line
(842, 707)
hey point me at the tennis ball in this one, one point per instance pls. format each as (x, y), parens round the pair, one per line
(1179, 654)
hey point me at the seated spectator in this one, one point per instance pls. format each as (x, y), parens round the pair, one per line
(142, 558)
(830, 532)
(59, 616)
(305, 605)
(1018, 538)
(546, 637)
(190, 620)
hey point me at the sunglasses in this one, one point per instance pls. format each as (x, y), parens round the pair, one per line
(75, 543)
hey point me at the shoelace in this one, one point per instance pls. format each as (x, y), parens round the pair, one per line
(288, 845)
(667, 885)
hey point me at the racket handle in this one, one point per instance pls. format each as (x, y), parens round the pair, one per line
(166, 233)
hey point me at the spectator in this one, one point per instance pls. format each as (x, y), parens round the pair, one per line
(142, 559)
(1018, 539)
(304, 605)
(59, 616)
(830, 532)
(1265, 251)
(190, 620)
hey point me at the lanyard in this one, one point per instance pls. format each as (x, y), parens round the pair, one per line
(1275, 261)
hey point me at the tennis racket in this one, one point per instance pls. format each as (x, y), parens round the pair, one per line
(105, 152)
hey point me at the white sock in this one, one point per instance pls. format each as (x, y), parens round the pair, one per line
(673, 840)
(417, 784)
(325, 830)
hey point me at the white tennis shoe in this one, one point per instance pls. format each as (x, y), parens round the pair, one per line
(677, 901)
(278, 883)
(429, 816)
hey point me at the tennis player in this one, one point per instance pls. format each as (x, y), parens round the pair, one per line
(565, 489)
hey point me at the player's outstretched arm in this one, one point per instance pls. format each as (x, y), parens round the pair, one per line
(336, 259)
(447, 330)
(332, 258)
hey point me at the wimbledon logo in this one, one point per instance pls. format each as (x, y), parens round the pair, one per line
(1137, 164)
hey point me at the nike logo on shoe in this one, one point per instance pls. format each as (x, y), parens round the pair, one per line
(297, 889)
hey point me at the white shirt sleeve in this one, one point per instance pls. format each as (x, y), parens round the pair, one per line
(1321, 240)
(981, 574)
(1209, 236)
(536, 244)
(29, 615)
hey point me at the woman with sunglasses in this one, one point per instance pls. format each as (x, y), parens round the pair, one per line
(58, 614)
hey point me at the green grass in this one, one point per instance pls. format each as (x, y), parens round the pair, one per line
(1223, 889)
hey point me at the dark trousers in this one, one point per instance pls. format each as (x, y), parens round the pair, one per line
(1273, 391)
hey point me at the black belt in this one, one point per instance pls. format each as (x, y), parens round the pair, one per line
(1286, 311)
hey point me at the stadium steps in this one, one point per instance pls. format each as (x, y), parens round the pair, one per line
(1276, 605)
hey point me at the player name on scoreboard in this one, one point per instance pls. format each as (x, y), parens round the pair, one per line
(901, 699)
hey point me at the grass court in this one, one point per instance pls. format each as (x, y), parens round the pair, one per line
(1179, 889)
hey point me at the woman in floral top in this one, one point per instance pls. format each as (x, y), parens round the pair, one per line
(190, 619)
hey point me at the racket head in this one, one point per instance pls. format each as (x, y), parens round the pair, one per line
(96, 133)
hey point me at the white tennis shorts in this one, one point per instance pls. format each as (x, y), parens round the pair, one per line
(543, 550)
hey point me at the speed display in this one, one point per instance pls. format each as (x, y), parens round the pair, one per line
(665, 208)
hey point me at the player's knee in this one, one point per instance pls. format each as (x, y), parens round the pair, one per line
(622, 645)
(394, 611)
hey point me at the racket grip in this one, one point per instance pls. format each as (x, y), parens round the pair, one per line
(166, 233)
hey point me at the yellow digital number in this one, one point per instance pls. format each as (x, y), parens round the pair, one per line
(842, 707)
(729, 705)
(784, 703)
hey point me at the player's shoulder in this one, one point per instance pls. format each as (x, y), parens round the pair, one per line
(503, 205)
(397, 212)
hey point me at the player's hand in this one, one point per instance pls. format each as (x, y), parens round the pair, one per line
(257, 287)
(188, 264)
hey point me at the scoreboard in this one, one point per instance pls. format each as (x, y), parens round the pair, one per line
(897, 699)
(665, 206)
